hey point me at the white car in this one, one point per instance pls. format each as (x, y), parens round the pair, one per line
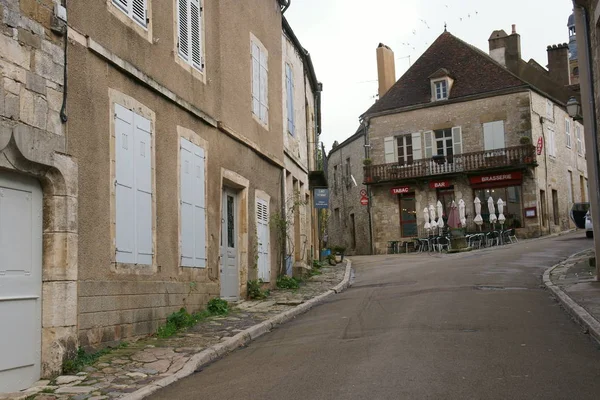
(589, 229)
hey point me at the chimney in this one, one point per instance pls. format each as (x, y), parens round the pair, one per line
(506, 49)
(386, 68)
(558, 63)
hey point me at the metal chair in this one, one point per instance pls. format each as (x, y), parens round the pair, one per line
(443, 242)
(509, 236)
(492, 238)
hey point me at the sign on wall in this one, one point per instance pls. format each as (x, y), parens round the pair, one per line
(400, 190)
(440, 184)
(507, 176)
(540, 146)
(321, 197)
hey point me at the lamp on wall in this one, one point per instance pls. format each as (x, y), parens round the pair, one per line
(574, 109)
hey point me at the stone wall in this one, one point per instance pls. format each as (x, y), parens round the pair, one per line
(345, 197)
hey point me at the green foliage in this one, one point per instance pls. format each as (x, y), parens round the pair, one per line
(525, 140)
(182, 319)
(331, 259)
(318, 264)
(218, 306)
(367, 161)
(338, 249)
(255, 291)
(83, 359)
(287, 282)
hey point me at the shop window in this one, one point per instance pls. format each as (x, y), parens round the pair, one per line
(408, 215)
(513, 205)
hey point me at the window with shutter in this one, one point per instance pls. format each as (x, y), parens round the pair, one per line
(416, 146)
(289, 84)
(428, 139)
(137, 10)
(493, 135)
(263, 238)
(390, 152)
(568, 132)
(192, 205)
(133, 188)
(579, 139)
(189, 27)
(551, 142)
(260, 88)
(457, 140)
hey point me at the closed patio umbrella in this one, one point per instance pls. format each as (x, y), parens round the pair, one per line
(478, 220)
(440, 211)
(461, 213)
(432, 216)
(426, 217)
(453, 217)
(492, 209)
(501, 217)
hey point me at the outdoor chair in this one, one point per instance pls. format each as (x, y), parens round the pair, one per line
(475, 240)
(492, 238)
(423, 245)
(509, 236)
(443, 242)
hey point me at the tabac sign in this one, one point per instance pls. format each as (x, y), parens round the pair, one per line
(321, 197)
(400, 190)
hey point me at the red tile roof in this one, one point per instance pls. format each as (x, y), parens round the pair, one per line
(473, 71)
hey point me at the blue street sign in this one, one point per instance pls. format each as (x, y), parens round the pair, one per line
(321, 198)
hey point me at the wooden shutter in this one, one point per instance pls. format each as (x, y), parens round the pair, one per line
(390, 153)
(124, 186)
(568, 131)
(255, 54)
(428, 139)
(124, 4)
(264, 88)
(416, 146)
(196, 33)
(457, 140)
(143, 189)
(183, 29)
(289, 83)
(262, 230)
(193, 205)
(138, 11)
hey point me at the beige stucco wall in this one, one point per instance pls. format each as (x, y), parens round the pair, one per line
(116, 303)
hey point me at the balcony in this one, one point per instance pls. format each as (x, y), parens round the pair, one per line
(518, 157)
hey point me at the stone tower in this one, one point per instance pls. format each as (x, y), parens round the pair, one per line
(573, 63)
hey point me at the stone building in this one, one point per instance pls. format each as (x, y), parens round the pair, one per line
(149, 183)
(348, 220)
(495, 126)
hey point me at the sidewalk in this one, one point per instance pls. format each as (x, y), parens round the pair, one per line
(573, 282)
(143, 366)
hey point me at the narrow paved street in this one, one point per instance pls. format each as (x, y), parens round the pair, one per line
(466, 326)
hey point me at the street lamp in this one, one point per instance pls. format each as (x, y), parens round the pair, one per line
(574, 109)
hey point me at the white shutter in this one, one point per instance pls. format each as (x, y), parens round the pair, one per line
(138, 11)
(290, 98)
(493, 135)
(196, 33)
(183, 28)
(199, 208)
(388, 146)
(124, 186)
(428, 138)
(143, 189)
(123, 4)
(262, 230)
(416, 146)
(186, 204)
(255, 54)
(488, 136)
(264, 88)
(457, 140)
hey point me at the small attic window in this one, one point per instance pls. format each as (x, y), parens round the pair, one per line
(441, 89)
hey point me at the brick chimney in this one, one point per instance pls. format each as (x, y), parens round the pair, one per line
(386, 68)
(558, 63)
(506, 49)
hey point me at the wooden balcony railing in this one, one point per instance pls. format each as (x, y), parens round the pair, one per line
(510, 157)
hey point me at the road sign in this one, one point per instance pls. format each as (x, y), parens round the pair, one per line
(364, 201)
(363, 192)
(321, 197)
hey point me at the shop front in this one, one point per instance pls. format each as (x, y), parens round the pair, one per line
(506, 186)
(407, 209)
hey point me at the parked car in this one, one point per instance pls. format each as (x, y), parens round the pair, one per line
(578, 214)
(589, 229)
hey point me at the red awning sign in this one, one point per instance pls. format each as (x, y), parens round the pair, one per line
(440, 184)
(507, 176)
(401, 190)
(540, 146)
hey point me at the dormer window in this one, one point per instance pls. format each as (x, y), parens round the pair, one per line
(441, 84)
(441, 89)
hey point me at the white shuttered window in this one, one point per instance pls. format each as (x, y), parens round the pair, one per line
(289, 89)
(133, 187)
(262, 231)
(135, 9)
(193, 205)
(551, 142)
(189, 27)
(493, 135)
(260, 89)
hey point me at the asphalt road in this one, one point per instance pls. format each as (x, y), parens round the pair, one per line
(474, 325)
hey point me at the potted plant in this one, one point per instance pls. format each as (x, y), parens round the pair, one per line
(367, 161)
(339, 252)
(525, 140)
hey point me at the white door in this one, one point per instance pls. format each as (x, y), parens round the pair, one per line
(229, 266)
(20, 281)
(262, 232)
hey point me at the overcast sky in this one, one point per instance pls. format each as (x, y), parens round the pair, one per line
(342, 35)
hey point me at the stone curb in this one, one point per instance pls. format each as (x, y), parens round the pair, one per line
(583, 318)
(210, 354)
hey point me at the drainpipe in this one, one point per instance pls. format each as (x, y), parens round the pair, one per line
(367, 145)
(589, 117)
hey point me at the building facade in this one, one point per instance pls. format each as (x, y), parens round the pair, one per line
(150, 183)
(447, 131)
(348, 220)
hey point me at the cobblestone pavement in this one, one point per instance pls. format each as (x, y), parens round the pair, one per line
(577, 279)
(127, 369)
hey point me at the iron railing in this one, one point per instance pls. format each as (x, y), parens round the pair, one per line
(510, 157)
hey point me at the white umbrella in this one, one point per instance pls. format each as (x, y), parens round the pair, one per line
(501, 217)
(426, 217)
(440, 211)
(492, 209)
(461, 213)
(432, 216)
(478, 220)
